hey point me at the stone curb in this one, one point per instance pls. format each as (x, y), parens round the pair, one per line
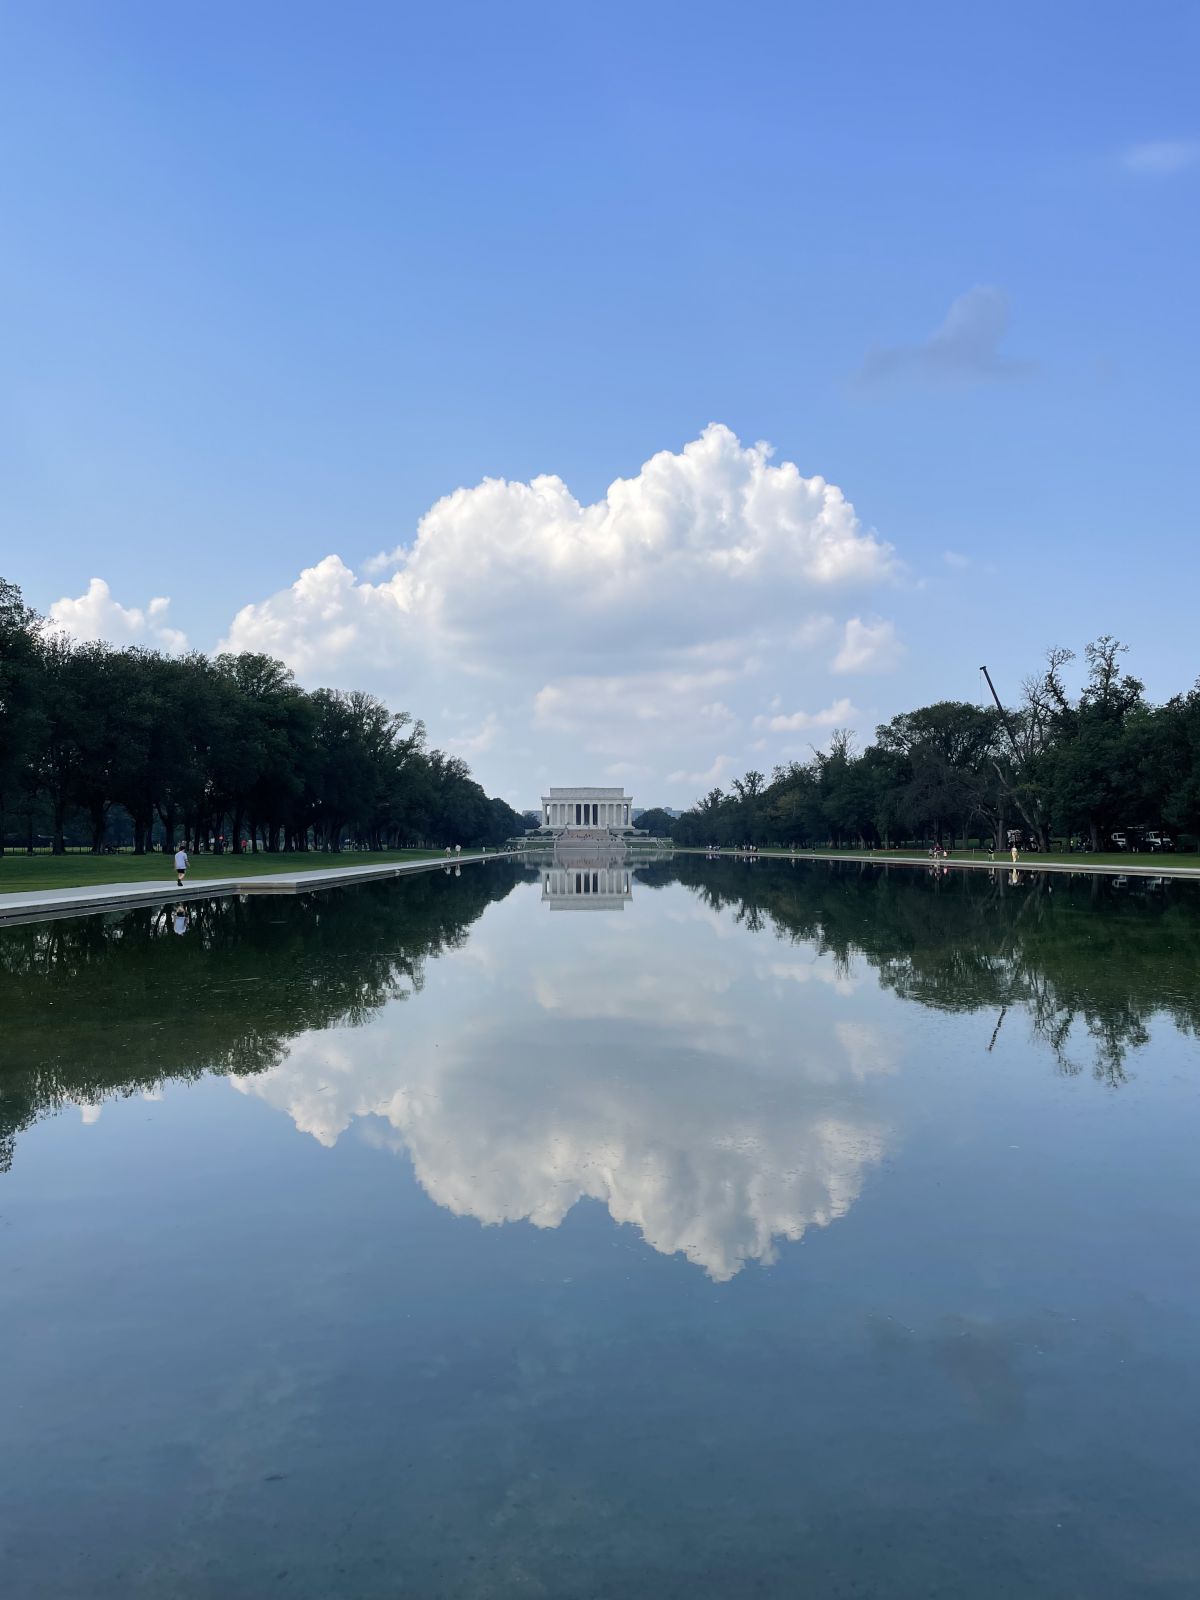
(1027, 863)
(46, 904)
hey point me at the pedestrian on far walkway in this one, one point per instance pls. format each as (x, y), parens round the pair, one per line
(1015, 855)
(181, 865)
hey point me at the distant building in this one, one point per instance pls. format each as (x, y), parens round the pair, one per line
(586, 813)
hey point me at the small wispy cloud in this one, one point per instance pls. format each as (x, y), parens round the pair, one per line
(813, 631)
(965, 349)
(956, 559)
(1161, 158)
(98, 615)
(840, 711)
(473, 744)
(721, 765)
(868, 647)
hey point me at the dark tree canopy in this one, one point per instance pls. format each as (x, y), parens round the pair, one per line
(227, 748)
(656, 822)
(1054, 766)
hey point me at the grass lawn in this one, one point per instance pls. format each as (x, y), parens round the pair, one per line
(22, 873)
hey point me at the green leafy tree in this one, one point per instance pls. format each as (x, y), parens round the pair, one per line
(656, 822)
(945, 770)
(22, 725)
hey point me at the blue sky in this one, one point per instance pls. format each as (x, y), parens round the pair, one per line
(277, 278)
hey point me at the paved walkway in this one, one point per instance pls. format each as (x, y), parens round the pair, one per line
(42, 904)
(1164, 866)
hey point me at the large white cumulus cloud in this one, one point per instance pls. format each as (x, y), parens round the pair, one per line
(583, 636)
(714, 536)
(697, 619)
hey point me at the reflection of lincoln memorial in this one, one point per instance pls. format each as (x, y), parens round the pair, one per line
(586, 812)
(578, 887)
(588, 828)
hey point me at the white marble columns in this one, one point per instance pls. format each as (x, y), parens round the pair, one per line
(586, 810)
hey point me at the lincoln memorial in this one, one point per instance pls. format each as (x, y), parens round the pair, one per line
(586, 812)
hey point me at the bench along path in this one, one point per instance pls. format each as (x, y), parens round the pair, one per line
(40, 904)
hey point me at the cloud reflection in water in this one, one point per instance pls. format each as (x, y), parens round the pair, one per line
(696, 1091)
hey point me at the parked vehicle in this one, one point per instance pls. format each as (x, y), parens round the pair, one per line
(1157, 842)
(1022, 840)
(1120, 840)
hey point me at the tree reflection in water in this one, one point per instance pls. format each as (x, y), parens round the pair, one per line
(1070, 951)
(117, 1005)
(114, 1005)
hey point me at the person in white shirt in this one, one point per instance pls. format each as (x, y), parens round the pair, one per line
(181, 865)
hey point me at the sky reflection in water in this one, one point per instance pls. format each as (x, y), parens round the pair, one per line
(928, 1142)
(680, 1094)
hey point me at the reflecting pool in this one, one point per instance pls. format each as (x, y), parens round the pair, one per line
(771, 1229)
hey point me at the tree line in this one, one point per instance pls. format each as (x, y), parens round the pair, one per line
(1076, 767)
(96, 740)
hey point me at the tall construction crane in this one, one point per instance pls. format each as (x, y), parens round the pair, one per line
(1004, 717)
(1035, 823)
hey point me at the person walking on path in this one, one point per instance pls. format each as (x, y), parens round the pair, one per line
(181, 865)
(1015, 854)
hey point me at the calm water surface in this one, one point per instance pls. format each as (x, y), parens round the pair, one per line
(737, 1229)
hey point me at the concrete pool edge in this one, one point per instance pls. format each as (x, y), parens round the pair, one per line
(48, 904)
(1027, 863)
(45, 905)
